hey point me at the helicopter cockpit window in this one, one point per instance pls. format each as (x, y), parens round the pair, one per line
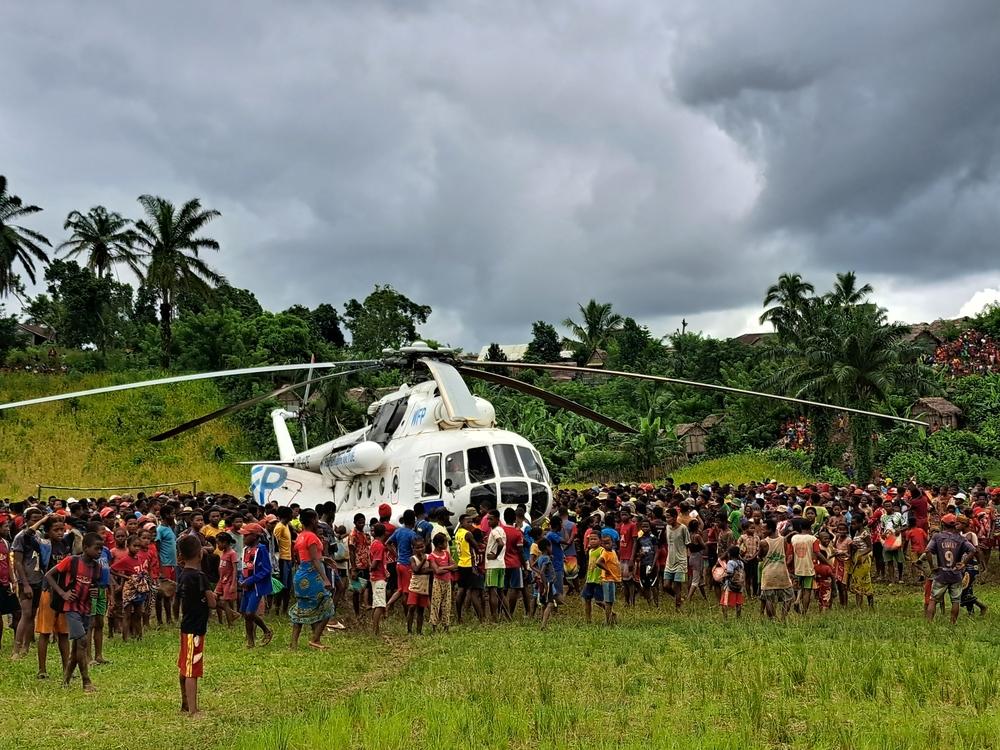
(530, 464)
(480, 465)
(539, 500)
(484, 494)
(387, 420)
(454, 469)
(514, 493)
(545, 472)
(507, 465)
(432, 476)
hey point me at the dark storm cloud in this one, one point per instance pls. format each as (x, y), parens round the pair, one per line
(503, 162)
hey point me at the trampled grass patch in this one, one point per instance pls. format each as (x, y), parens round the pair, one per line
(849, 679)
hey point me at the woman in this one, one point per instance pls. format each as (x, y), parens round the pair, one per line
(841, 558)
(859, 567)
(969, 599)
(313, 598)
(696, 560)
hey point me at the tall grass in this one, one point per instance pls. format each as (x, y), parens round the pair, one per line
(102, 440)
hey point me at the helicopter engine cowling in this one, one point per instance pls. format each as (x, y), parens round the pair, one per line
(486, 416)
(363, 458)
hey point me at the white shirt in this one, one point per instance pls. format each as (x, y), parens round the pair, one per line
(495, 543)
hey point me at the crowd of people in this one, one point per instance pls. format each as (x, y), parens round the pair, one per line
(971, 353)
(80, 571)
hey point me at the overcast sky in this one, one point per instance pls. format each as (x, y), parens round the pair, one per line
(502, 161)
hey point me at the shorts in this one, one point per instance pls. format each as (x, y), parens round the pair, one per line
(954, 591)
(626, 570)
(190, 660)
(468, 578)
(592, 592)
(378, 594)
(168, 572)
(99, 602)
(403, 575)
(513, 578)
(571, 568)
(779, 596)
(647, 576)
(285, 573)
(546, 599)
(418, 600)
(805, 582)
(892, 555)
(9, 603)
(557, 587)
(675, 576)
(608, 589)
(78, 625)
(494, 578)
(733, 599)
(47, 620)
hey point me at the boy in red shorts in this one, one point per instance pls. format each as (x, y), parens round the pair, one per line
(197, 599)
(418, 599)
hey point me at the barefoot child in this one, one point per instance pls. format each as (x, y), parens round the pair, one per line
(418, 599)
(255, 581)
(71, 580)
(225, 589)
(733, 583)
(442, 565)
(377, 573)
(197, 600)
(545, 580)
(611, 576)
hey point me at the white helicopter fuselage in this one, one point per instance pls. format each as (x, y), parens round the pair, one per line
(411, 452)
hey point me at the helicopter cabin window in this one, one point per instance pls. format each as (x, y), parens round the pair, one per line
(454, 469)
(514, 493)
(539, 500)
(507, 465)
(381, 486)
(369, 488)
(480, 465)
(432, 476)
(531, 466)
(484, 494)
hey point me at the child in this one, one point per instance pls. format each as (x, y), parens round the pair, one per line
(824, 572)
(442, 565)
(136, 588)
(611, 576)
(72, 579)
(733, 583)
(255, 581)
(225, 589)
(197, 600)
(545, 580)
(418, 597)
(377, 573)
(592, 589)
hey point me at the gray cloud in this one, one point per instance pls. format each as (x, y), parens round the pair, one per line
(502, 162)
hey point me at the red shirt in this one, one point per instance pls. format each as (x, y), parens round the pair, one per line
(917, 538)
(512, 548)
(304, 543)
(86, 574)
(126, 564)
(4, 563)
(626, 543)
(149, 561)
(390, 552)
(377, 555)
(227, 574)
(919, 507)
(359, 541)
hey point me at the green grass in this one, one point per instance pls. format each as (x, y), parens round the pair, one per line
(738, 468)
(850, 679)
(102, 441)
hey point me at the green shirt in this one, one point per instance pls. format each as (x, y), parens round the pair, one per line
(593, 572)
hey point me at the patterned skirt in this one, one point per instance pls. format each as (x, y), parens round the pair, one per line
(313, 603)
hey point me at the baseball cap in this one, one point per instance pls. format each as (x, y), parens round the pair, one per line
(252, 528)
(384, 510)
(948, 519)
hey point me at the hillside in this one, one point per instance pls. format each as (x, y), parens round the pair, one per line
(102, 441)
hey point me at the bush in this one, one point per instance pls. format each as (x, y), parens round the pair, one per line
(946, 456)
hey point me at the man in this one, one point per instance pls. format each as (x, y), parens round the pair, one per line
(513, 559)
(950, 553)
(211, 528)
(469, 587)
(570, 562)
(776, 592)
(675, 573)
(401, 541)
(166, 548)
(496, 541)
(282, 534)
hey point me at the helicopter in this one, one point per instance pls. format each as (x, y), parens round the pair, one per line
(432, 442)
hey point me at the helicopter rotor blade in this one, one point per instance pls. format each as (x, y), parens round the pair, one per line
(547, 396)
(241, 405)
(185, 379)
(706, 386)
(305, 403)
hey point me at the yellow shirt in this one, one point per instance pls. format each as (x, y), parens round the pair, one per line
(284, 539)
(613, 573)
(464, 556)
(209, 531)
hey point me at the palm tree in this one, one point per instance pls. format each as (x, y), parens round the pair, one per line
(106, 238)
(856, 358)
(598, 326)
(168, 237)
(17, 243)
(790, 300)
(846, 293)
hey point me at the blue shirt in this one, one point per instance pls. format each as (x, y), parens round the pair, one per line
(403, 539)
(558, 559)
(547, 569)
(166, 545)
(424, 528)
(105, 580)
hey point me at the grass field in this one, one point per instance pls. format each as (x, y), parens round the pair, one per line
(102, 441)
(850, 679)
